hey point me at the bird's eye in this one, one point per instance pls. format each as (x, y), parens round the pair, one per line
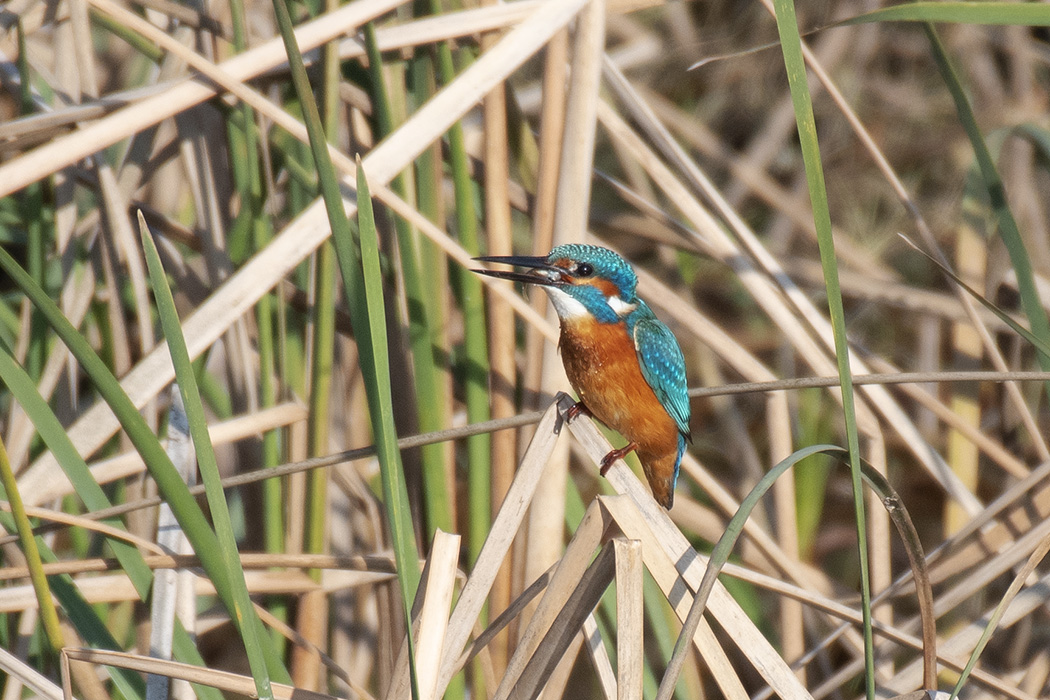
(584, 270)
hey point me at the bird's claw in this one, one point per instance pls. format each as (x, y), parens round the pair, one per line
(575, 410)
(609, 459)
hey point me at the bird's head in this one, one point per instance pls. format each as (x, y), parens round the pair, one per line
(581, 280)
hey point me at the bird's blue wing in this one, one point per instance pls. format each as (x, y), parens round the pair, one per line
(663, 367)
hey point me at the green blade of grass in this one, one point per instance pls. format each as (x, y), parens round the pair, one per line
(386, 439)
(94, 498)
(720, 555)
(31, 204)
(814, 419)
(365, 326)
(273, 497)
(362, 282)
(429, 403)
(87, 489)
(323, 318)
(248, 623)
(133, 38)
(382, 410)
(244, 143)
(170, 485)
(46, 606)
(83, 616)
(1002, 13)
(1022, 575)
(320, 393)
(794, 63)
(428, 176)
(724, 548)
(1008, 229)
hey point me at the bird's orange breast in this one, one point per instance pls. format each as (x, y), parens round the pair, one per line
(602, 365)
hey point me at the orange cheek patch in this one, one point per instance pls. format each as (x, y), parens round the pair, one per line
(607, 288)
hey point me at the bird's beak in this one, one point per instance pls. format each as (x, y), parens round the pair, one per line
(539, 271)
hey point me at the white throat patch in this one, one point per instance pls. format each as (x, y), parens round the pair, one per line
(567, 306)
(621, 307)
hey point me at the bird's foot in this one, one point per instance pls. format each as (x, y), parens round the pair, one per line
(575, 410)
(607, 460)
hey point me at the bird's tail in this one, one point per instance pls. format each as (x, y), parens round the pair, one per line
(661, 472)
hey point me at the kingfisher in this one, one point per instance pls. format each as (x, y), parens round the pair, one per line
(625, 365)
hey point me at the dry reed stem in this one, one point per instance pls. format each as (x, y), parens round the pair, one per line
(115, 588)
(28, 676)
(570, 218)
(41, 486)
(589, 638)
(630, 647)
(376, 564)
(501, 335)
(436, 589)
(56, 516)
(223, 680)
(570, 569)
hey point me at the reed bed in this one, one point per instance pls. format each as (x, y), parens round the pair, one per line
(236, 250)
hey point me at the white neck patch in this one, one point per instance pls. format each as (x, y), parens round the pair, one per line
(621, 307)
(567, 306)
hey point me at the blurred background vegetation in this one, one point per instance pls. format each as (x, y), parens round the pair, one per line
(663, 130)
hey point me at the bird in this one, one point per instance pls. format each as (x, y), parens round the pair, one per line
(624, 364)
